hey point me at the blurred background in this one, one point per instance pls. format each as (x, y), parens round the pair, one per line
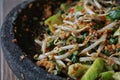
(5, 7)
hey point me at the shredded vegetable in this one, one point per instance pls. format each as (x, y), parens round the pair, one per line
(84, 39)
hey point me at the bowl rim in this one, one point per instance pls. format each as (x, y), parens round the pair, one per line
(25, 69)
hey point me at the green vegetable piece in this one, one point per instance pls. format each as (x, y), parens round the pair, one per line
(48, 31)
(113, 40)
(79, 8)
(108, 17)
(35, 18)
(61, 52)
(56, 72)
(70, 38)
(107, 75)
(79, 40)
(106, 52)
(117, 33)
(51, 43)
(58, 69)
(94, 71)
(75, 59)
(114, 14)
(116, 76)
(77, 70)
(85, 35)
(75, 53)
(108, 68)
(117, 49)
(65, 6)
(55, 19)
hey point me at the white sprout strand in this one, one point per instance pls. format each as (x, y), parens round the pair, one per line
(97, 4)
(38, 42)
(116, 54)
(103, 14)
(67, 28)
(100, 48)
(43, 47)
(91, 54)
(88, 9)
(44, 43)
(110, 2)
(80, 30)
(58, 43)
(116, 60)
(103, 38)
(71, 46)
(55, 50)
(42, 56)
(68, 22)
(57, 31)
(55, 41)
(76, 18)
(84, 59)
(62, 56)
(60, 62)
(67, 59)
(119, 39)
(111, 25)
(92, 3)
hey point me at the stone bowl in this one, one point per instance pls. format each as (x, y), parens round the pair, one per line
(21, 26)
(18, 32)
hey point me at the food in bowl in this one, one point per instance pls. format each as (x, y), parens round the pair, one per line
(82, 40)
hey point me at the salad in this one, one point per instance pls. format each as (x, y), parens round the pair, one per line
(82, 41)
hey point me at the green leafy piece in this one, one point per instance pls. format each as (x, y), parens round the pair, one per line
(79, 8)
(58, 10)
(117, 49)
(65, 6)
(55, 19)
(96, 22)
(64, 42)
(61, 52)
(48, 31)
(115, 67)
(70, 38)
(51, 43)
(56, 72)
(77, 70)
(35, 18)
(106, 52)
(108, 68)
(108, 17)
(85, 35)
(79, 40)
(107, 75)
(75, 59)
(75, 53)
(94, 71)
(113, 40)
(117, 33)
(116, 76)
(114, 14)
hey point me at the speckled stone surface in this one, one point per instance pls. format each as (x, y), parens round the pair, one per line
(25, 69)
